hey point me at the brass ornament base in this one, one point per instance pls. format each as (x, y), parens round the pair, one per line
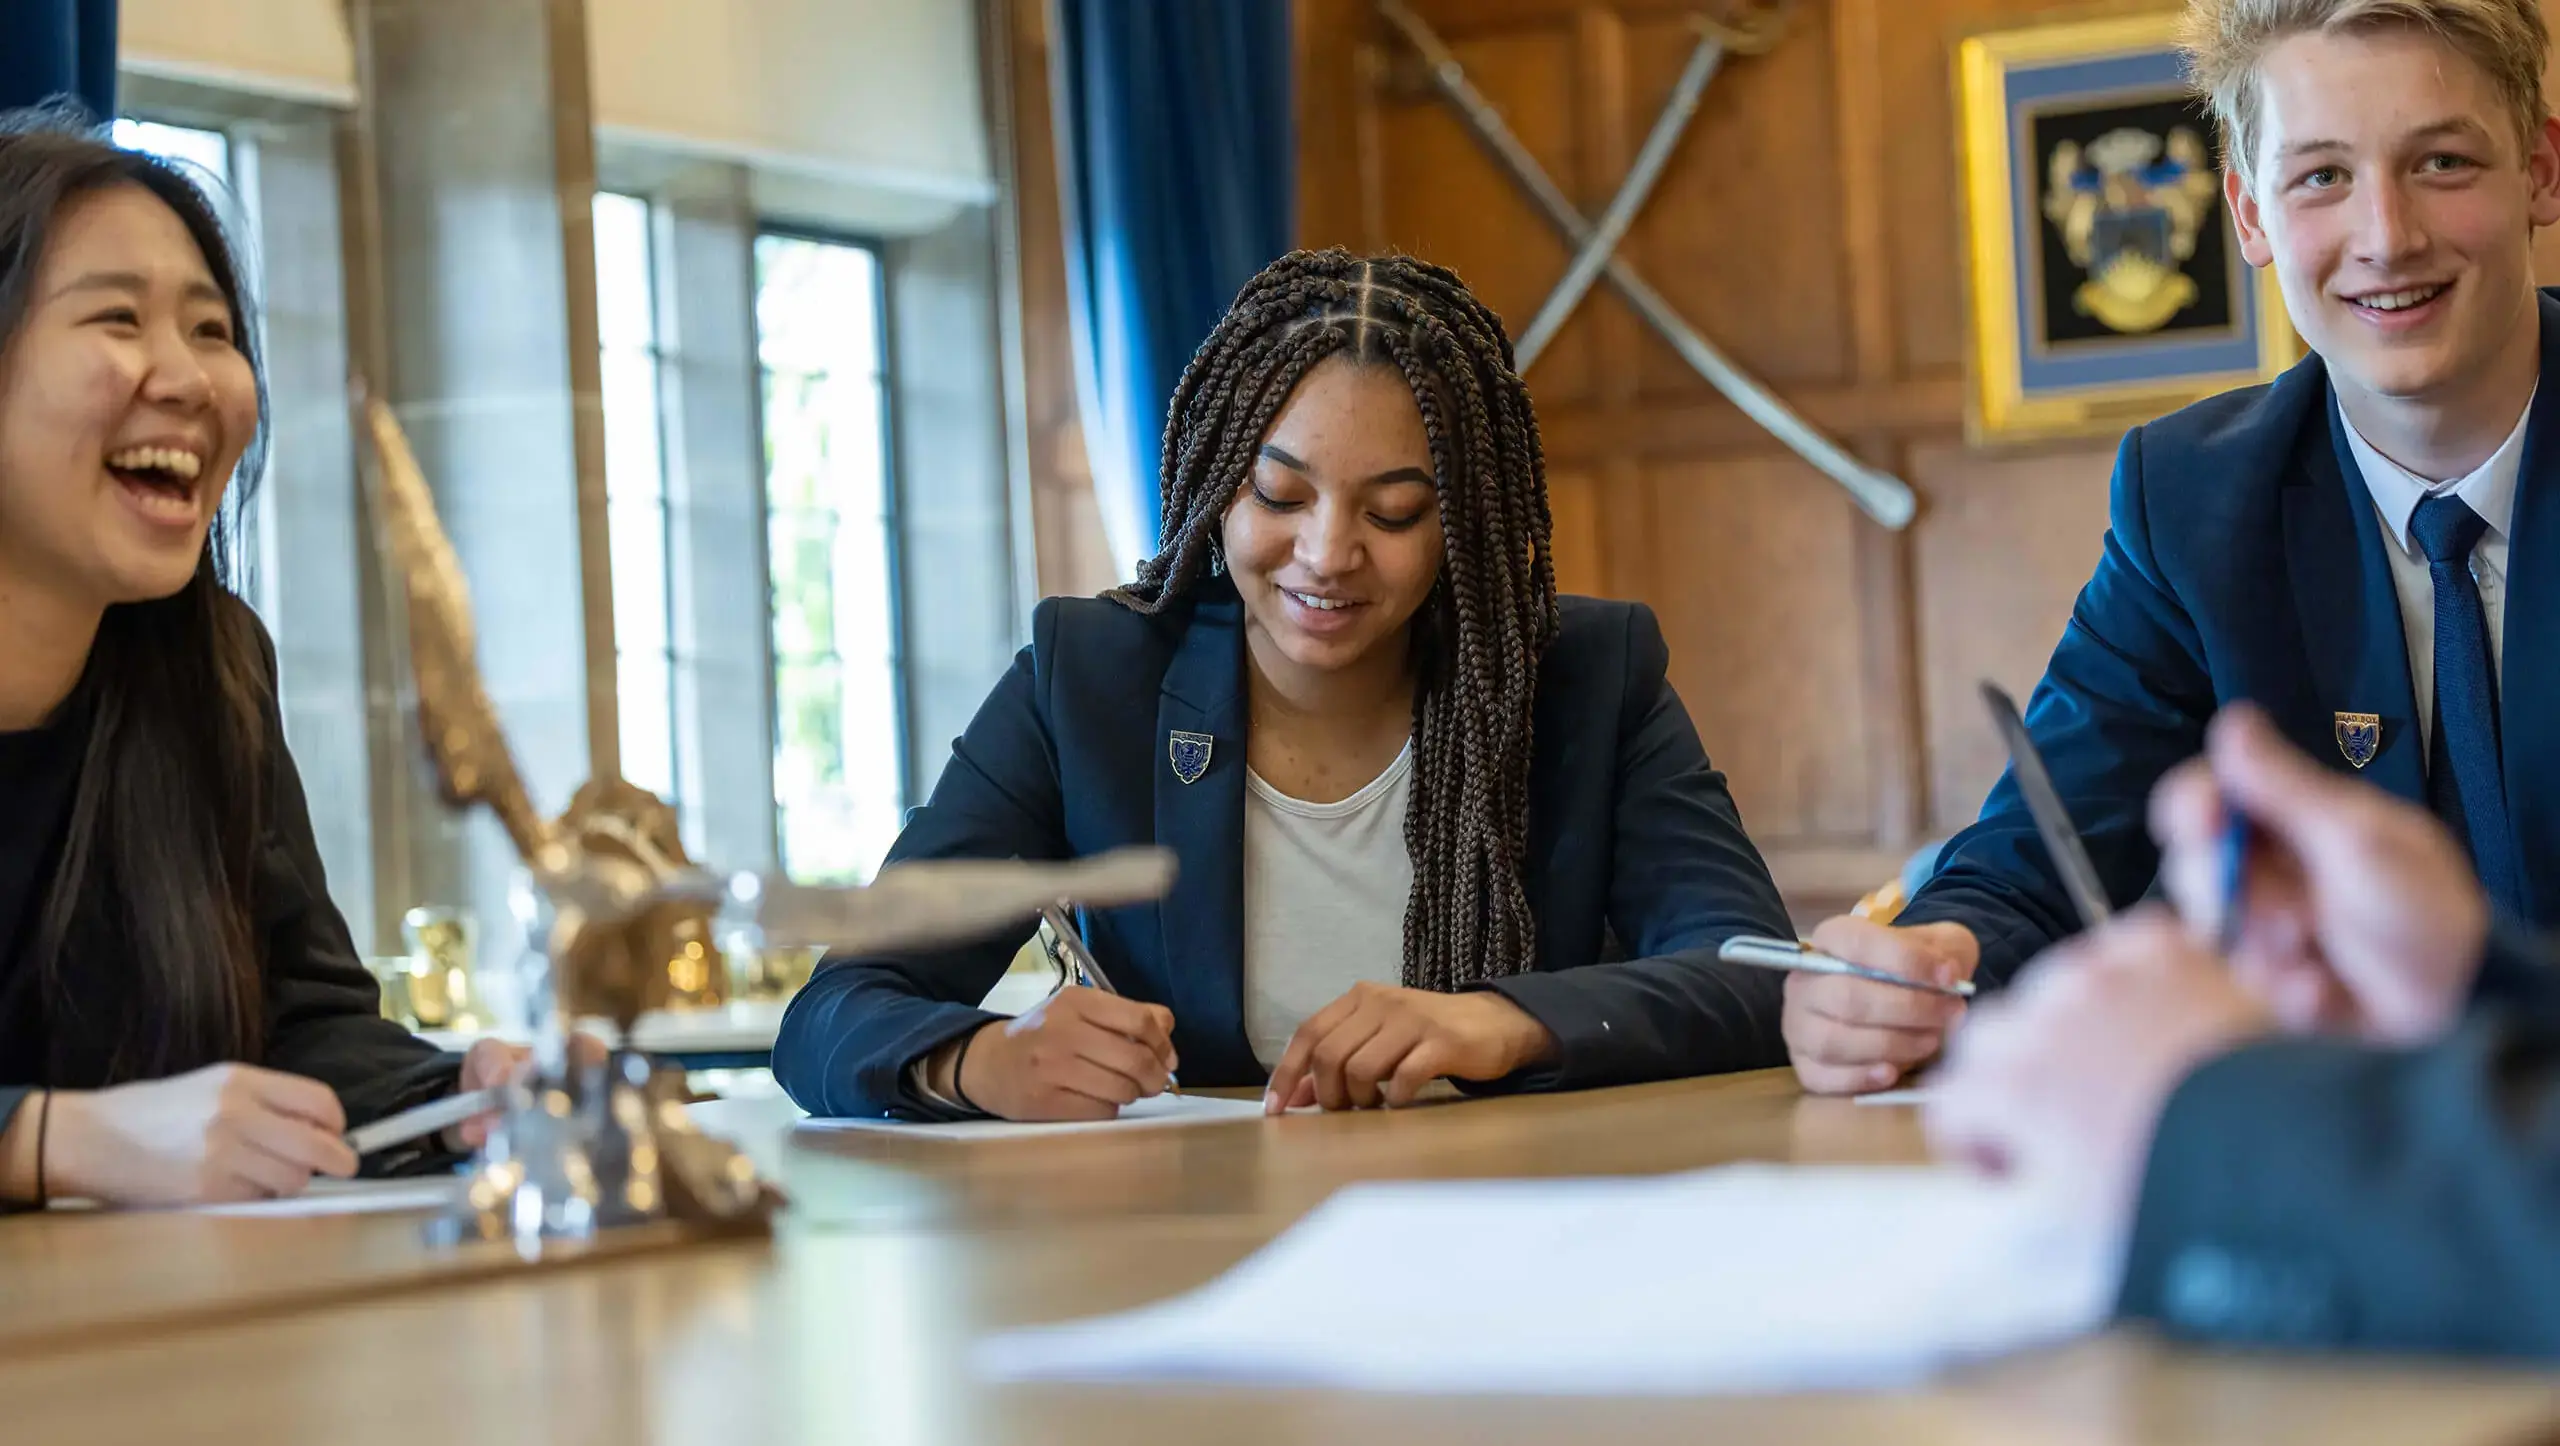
(598, 1147)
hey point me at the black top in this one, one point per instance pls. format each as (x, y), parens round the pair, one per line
(323, 1009)
(37, 772)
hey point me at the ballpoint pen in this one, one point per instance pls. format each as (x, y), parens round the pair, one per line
(426, 1119)
(1798, 958)
(2237, 835)
(1079, 960)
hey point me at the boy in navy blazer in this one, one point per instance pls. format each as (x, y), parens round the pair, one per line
(2350, 547)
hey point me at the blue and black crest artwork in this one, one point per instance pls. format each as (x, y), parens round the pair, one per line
(1190, 754)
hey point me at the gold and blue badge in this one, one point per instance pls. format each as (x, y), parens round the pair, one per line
(2359, 737)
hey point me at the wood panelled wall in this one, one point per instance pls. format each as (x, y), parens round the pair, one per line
(1809, 225)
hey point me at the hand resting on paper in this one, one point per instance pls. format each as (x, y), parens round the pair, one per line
(226, 1132)
(1379, 1045)
(221, 1134)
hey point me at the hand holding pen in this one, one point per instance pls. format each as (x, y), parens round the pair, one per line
(2345, 908)
(1080, 1054)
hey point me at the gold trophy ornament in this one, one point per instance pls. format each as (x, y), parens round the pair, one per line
(443, 956)
(621, 922)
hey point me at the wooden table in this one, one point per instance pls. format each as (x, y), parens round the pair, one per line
(854, 1324)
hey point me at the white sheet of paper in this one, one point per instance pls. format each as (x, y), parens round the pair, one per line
(1745, 1278)
(1895, 1097)
(1164, 1109)
(353, 1197)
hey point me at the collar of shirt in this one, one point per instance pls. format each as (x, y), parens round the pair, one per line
(2489, 488)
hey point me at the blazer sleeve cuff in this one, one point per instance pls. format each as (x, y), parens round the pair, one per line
(2318, 1193)
(2006, 941)
(1585, 1047)
(2214, 1254)
(888, 1084)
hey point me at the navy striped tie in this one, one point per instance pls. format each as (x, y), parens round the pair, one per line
(2465, 777)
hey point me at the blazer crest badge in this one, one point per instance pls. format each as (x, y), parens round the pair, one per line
(2359, 737)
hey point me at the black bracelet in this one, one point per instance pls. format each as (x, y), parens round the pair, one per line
(44, 1125)
(958, 1060)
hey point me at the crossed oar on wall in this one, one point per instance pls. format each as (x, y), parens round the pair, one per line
(1882, 496)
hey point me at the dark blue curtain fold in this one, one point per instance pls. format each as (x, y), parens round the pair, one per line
(1177, 172)
(59, 49)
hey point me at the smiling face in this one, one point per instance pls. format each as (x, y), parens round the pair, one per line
(125, 405)
(2397, 204)
(1335, 540)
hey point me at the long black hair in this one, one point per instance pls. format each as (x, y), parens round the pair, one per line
(1492, 613)
(145, 941)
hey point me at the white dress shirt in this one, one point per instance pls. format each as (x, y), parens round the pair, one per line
(2490, 489)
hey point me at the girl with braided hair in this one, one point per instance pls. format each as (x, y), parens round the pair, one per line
(1417, 799)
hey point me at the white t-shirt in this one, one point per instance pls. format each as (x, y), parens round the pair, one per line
(1325, 886)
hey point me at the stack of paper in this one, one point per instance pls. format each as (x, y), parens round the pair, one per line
(1746, 1278)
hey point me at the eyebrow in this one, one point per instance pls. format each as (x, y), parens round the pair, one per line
(136, 284)
(1395, 474)
(2432, 130)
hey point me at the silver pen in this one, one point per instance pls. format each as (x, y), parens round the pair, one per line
(1798, 958)
(1079, 959)
(422, 1120)
(2044, 803)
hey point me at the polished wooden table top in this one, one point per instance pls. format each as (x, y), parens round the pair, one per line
(855, 1323)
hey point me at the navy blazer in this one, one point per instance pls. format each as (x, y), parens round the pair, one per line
(2243, 560)
(2319, 1193)
(1632, 839)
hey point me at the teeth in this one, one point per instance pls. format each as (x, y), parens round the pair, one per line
(175, 461)
(2400, 300)
(1320, 604)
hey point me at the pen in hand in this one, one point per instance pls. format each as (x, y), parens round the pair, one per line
(2237, 834)
(1080, 960)
(1794, 957)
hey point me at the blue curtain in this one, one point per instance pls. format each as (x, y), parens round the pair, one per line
(51, 49)
(1177, 174)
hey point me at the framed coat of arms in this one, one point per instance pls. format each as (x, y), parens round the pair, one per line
(2106, 282)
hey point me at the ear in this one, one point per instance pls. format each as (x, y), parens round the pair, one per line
(2542, 174)
(2255, 248)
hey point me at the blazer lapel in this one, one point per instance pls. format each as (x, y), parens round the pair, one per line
(2349, 610)
(2529, 681)
(1202, 821)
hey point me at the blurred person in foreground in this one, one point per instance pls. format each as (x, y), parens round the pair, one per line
(2345, 1134)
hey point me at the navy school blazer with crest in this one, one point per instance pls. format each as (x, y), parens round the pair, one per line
(2243, 561)
(1633, 843)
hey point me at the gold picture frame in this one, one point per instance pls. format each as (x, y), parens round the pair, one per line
(2104, 282)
